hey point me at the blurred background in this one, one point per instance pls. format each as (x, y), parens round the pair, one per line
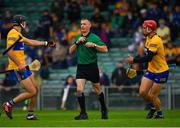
(118, 23)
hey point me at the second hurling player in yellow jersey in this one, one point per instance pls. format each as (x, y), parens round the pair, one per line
(158, 63)
(157, 71)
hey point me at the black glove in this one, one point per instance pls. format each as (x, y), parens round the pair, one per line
(50, 44)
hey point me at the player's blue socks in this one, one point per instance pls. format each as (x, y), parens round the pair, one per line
(152, 106)
(31, 116)
(160, 113)
(11, 102)
(30, 112)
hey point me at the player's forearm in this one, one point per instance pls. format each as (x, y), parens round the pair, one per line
(144, 59)
(101, 48)
(72, 49)
(141, 59)
(35, 42)
(13, 58)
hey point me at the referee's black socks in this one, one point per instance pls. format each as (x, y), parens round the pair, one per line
(102, 102)
(81, 100)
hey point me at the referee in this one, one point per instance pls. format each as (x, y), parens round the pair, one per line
(87, 44)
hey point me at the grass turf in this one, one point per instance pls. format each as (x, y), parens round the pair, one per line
(117, 118)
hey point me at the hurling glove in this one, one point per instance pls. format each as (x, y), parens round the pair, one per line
(131, 73)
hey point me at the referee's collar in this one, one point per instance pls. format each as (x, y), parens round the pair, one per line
(86, 35)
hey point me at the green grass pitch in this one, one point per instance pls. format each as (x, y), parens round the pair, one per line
(117, 118)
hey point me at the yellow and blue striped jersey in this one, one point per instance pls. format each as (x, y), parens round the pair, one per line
(158, 63)
(18, 49)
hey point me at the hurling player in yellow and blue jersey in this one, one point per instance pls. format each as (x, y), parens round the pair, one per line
(20, 74)
(157, 71)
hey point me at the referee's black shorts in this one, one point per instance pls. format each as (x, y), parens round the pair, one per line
(88, 71)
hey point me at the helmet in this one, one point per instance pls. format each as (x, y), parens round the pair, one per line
(19, 20)
(149, 25)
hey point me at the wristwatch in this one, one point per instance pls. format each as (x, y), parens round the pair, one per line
(76, 43)
(95, 46)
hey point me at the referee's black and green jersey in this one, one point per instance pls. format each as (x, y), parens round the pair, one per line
(87, 55)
